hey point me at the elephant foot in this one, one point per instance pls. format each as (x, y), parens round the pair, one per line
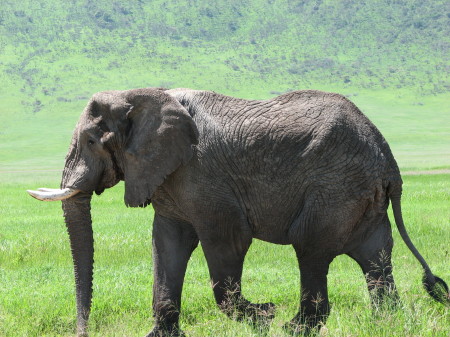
(243, 310)
(260, 314)
(296, 329)
(302, 326)
(159, 332)
(82, 332)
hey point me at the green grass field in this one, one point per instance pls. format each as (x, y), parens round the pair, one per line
(37, 287)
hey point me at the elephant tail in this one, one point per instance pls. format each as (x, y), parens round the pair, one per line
(435, 286)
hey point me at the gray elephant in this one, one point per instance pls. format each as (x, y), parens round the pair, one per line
(306, 169)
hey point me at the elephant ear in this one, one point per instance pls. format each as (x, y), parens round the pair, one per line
(161, 139)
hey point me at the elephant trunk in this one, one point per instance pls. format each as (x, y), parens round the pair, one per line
(77, 214)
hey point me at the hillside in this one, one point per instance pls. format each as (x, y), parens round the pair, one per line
(383, 53)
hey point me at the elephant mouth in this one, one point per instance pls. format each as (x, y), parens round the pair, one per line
(109, 179)
(111, 176)
(100, 191)
(146, 203)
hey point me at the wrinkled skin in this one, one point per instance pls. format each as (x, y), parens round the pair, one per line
(306, 169)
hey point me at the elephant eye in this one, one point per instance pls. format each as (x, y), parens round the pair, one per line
(91, 142)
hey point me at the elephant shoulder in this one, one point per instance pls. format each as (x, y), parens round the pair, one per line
(191, 99)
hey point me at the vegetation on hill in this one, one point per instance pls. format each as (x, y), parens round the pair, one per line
(55, 54)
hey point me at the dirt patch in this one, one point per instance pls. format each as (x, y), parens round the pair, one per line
(28, 171)
(416, 173)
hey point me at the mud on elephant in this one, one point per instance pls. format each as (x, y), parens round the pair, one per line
(306, 169)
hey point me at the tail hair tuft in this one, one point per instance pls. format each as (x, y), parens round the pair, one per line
(437, 289)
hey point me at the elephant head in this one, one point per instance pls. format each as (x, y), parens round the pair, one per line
(139, 136)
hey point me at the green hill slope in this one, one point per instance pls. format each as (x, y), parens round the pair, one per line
(390, 56)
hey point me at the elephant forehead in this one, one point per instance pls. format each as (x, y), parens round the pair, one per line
(107, 105)
(109, 97)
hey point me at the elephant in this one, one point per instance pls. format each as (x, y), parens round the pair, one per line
(306, 168)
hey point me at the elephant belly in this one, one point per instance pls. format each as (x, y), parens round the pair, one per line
(271, 223)
(273, 236)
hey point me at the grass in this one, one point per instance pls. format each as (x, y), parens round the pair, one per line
(37, 292)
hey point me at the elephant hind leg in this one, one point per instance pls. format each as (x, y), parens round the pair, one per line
(225, 257)
(374, 257)
(314, 304)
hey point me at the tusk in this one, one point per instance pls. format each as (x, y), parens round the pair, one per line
(43, 189)
(48, 194)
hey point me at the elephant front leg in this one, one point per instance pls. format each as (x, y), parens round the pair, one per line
(173, 244)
